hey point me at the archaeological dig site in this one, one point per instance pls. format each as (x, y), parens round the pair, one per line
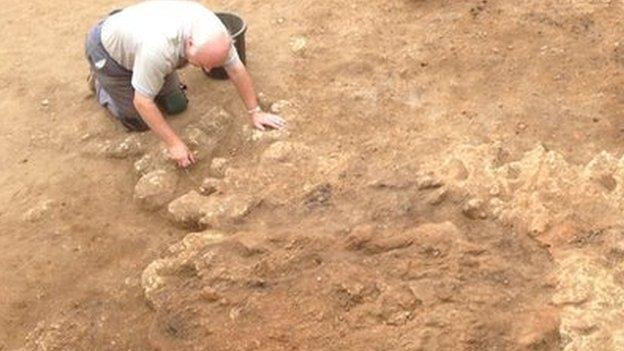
(273, 175)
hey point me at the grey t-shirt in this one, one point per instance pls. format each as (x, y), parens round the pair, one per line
(148, 39)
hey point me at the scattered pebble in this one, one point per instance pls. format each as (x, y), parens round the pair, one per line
(457, 170)
(437, 197)
(210, 294)
(428, 182)
(298, 45)
(473, 209)
(39, 211)
(495, 190)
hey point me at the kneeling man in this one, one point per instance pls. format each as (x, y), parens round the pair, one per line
(134, 54)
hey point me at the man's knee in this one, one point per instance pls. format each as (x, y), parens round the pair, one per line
(132, 121)
(173, 103)
(134, 124)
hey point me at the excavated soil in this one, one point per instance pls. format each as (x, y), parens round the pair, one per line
(451, 178)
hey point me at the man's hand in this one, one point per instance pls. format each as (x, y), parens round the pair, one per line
(261, 120)
(181, 154)
(156, 121)
(242, 81)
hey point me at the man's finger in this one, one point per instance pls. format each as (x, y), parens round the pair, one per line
(277, 124)
(190, 158)
(260, 126)
(184, 162)
(279, 121)
(274, 125)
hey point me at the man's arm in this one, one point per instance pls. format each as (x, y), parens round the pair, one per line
(242, 81)
(157, 123)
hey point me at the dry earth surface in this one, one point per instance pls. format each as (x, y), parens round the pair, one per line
(450, 179)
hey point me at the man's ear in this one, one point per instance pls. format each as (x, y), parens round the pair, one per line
(189, 47)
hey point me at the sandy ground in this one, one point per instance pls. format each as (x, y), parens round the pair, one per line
(449, 180)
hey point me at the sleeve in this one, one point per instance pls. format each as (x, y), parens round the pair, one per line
(149, 71)
(232, 57)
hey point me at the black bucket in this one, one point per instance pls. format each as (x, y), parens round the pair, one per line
(237, 28)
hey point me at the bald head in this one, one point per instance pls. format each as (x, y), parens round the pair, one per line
(208, 47)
